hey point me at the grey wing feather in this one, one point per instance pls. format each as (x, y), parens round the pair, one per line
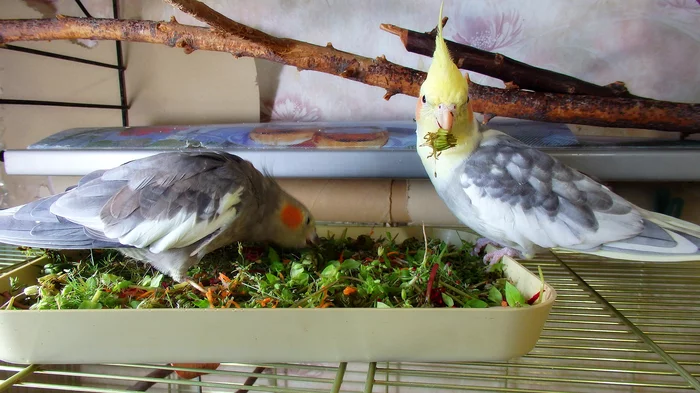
(38, 210)
(548, 192)
(115, 201)
(155, 188)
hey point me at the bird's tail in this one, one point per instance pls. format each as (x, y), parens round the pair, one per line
(664, 239)
(33, 225)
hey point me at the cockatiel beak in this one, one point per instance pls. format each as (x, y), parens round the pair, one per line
(445, 116)
(313, 239)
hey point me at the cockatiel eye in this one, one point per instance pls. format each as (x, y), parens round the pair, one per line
(423, 99)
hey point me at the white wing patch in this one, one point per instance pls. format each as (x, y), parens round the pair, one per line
(510, 225)
(182, 230)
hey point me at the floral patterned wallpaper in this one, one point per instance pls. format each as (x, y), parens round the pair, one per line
(652, 45)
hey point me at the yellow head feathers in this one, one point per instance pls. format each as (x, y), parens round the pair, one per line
(444, 82)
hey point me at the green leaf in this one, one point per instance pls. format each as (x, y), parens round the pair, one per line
(382, 305)
(476, 303)
(134, 303)
(155, 281)
(447, 299)
(272, 255)
(202, 303)
(276, 267)
(287, 295)
(91, 282)
(330, 271)
(495, 295)
(87, 304)
(271, 278)
(405, 275)
(297, 274)
(349, 264)
(496, 268)
(296, 271)
(14, 284)
(513, 296)
(109, 279)
(307, 259)
(145, 281)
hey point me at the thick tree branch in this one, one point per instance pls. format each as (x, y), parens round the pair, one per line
(589, 110)
(557, 108)
(505, 68)
(216, 20)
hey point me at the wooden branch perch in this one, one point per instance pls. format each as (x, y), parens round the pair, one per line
(505, 68)
(395, 79)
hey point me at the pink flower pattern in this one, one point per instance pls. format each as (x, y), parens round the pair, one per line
(686, 5)
(290, 108)
(492, 32)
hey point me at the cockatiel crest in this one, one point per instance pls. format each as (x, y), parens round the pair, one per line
(444, 83)
(446, 127)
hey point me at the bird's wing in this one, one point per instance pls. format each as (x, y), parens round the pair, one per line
(161, 202)
(531, 197)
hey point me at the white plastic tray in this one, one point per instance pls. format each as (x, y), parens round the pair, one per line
(279, 335)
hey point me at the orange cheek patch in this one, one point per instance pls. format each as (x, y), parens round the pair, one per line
(419, 106)
(291, 216)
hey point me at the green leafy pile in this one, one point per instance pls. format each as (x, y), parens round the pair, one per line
(340, 272)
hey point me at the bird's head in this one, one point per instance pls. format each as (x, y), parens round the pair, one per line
(294, 225)
(443, 102)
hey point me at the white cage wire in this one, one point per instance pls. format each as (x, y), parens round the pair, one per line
(616, 326)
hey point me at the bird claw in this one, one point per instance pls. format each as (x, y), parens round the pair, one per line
(494, 256)
(481, 243)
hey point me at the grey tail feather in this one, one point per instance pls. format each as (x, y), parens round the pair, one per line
(655, 240)
(33, 225)
(49, 235)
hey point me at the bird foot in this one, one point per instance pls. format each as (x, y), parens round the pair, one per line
(494, 256)
(481, 243)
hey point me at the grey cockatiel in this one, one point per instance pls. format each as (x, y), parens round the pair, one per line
(524, 200)
(169, 210)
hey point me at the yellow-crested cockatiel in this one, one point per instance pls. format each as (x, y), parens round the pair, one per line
(168, 209)
(523, 200)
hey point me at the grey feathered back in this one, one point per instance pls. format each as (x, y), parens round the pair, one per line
(524, 176)
(107, 204)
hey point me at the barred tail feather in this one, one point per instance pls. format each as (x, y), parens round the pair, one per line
(664, 239)
(671, 223)
(33, 225)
